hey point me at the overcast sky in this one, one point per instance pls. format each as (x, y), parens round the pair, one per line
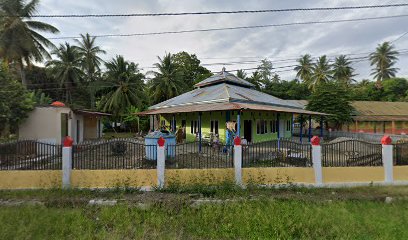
(279, 44)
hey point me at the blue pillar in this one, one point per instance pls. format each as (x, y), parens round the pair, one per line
(301, 127)
(321, 127)
(199, 132)
(310, 127)
(292, 125)
(277, 125)
(238, 122)
(174, 124)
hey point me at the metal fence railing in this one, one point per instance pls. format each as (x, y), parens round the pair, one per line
(368, 137)
(114, 154)
(277, 153)
(190, 155)
(133, 154)
(401, 154)
(30, 155)
(351, 153)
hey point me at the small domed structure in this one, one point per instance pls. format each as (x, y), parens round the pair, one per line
(58, 104)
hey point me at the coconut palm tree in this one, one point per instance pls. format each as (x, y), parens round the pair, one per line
(256, 79)
(91, 61)
(322, 72)
(19, 38)
(383, 60)
(276, 78)
(67, 68)
(241, 74)
(305, 68)
(90, 56)
(122, 86)
(342, 70)
(167, 82)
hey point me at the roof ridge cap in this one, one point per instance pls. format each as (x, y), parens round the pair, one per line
(226, 88)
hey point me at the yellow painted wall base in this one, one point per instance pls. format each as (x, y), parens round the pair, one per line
(25, 179)
(277, 175)
(352, 174)
(148, 177)
(113, 178)
(199, 176)
(400, 173)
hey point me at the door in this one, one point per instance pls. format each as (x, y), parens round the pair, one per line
(78, 131)
(282, 128)
(248, 130)
(64, 125)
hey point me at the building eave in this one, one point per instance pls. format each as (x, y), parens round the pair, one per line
(225, 107)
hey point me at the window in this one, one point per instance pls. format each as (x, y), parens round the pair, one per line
(288, 125)
(163, 123)
(214, 126)
(273, 126)
(261, 126)
(194, 127)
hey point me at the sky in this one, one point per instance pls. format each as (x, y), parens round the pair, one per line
(230, 48)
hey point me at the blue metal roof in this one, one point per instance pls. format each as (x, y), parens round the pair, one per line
(224, 77)
(224, 92)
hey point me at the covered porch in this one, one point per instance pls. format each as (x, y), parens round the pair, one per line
(254, 122)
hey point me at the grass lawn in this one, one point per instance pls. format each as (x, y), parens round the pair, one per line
(295, 213)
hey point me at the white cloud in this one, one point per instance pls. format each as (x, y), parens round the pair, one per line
(276, 43)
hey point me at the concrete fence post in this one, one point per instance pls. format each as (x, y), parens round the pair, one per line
(317, 159)
(161, 158)
(387, 159)
(238, 161)
(67, 162)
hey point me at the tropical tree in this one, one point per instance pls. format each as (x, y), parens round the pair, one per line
(293, 89)
(383, 60)
(276, 78)
(42, 80)
(15, 103)
(90, 62)
(40, 98)
(189, 69)
(132, 120)
(342, 70)
(241, 74)
(265, 70)
(167, 82)
(322, 71)
(332, 98)
(305, 68)
(122, 87)
(255, 79)
(89, 53)
(67, 68)
(19, 38)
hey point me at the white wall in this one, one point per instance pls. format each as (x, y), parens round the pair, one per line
(44, 124)
(73, 130)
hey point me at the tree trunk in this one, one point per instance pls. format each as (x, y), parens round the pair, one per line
(378, 84)
(22, 73)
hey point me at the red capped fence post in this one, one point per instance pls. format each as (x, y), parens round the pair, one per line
(160, 161)
(67, 162)
(238, 160)
(387, 159)
(317, 159)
